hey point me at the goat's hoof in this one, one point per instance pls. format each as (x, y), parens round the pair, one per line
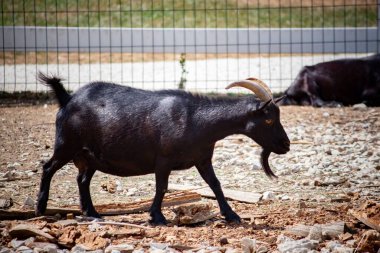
(233, 218)
(40, 209)
(38, 212)
(93, 214)
(158, 223)
(158, 220)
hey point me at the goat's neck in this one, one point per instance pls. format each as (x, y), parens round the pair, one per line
(223, 117)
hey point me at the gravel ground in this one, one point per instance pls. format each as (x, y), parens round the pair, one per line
(208, 75)
(334, 164)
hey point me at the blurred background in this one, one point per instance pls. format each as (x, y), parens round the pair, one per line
(196, 45)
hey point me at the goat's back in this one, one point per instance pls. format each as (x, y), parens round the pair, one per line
(115, 121)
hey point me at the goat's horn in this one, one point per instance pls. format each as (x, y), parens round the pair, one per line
(258, 87)
(264, 85)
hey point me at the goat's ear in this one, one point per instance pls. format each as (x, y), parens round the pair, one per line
(262, 106)
(279, 99)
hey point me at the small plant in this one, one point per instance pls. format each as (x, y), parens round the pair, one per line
(183, 80)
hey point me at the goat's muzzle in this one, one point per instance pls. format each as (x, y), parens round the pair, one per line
(282, 147)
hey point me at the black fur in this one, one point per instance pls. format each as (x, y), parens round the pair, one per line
(125, 131)
(346, 81)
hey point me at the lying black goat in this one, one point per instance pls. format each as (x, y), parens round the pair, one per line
(127, 132)
(345, 81)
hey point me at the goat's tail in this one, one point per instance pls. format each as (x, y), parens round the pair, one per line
(55, 83)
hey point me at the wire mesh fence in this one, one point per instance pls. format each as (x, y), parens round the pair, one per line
(198, 45)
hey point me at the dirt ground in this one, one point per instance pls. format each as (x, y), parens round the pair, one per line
(27, 140)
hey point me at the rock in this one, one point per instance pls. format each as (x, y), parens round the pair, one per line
(333, 230)
(42, 245)
(94, 226)
(28, 203)
(343, 250)
(17, 243)
(359, 106)
(223, 241)
(24, 249)
(159, 246)
(78, 249)
(139, 251)
(5, 250)
(248, 245)
(369, 214)
(370, 241)
(336, 247)
(119, 186)
(26, 230)
(193, 213)
(95, 251)
(51, 248)
(326, 114)
(298, 230)
(268, 195)
(346, 237)
(6, 203)
(231, 250)
(285, 197)
(10, 176)
(132, 191)
(262, 249)
(331, 245)
(65, 223)
(92, 241)
(122, 248)
(109, 186)
(315, 233)
(340, 198)
(303, 245)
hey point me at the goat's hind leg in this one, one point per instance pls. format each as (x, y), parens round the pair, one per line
(58, 160)
(86, 171)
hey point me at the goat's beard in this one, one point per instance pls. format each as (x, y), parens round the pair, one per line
(265, 164)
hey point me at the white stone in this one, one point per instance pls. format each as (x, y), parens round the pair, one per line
(17, 243)
(269, 195)
(285, 197)
(29, 202)
(160, 246)
(122, 248)
(24, 249)
(248, 245)
(303, 245)
(78, 249)
(262, 249)
(50, 249)
(359, 106)
(6, 250)
(94, 226)
(231, 250)
(315, 233)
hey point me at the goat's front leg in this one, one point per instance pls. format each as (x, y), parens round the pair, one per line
(162, 177)
(207, 172)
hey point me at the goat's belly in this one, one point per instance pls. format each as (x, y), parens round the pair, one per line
(126, 168)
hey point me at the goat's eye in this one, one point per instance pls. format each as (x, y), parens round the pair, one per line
(269, 122)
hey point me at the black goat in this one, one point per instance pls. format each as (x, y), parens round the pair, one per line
(345, 81)
(126, 132)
